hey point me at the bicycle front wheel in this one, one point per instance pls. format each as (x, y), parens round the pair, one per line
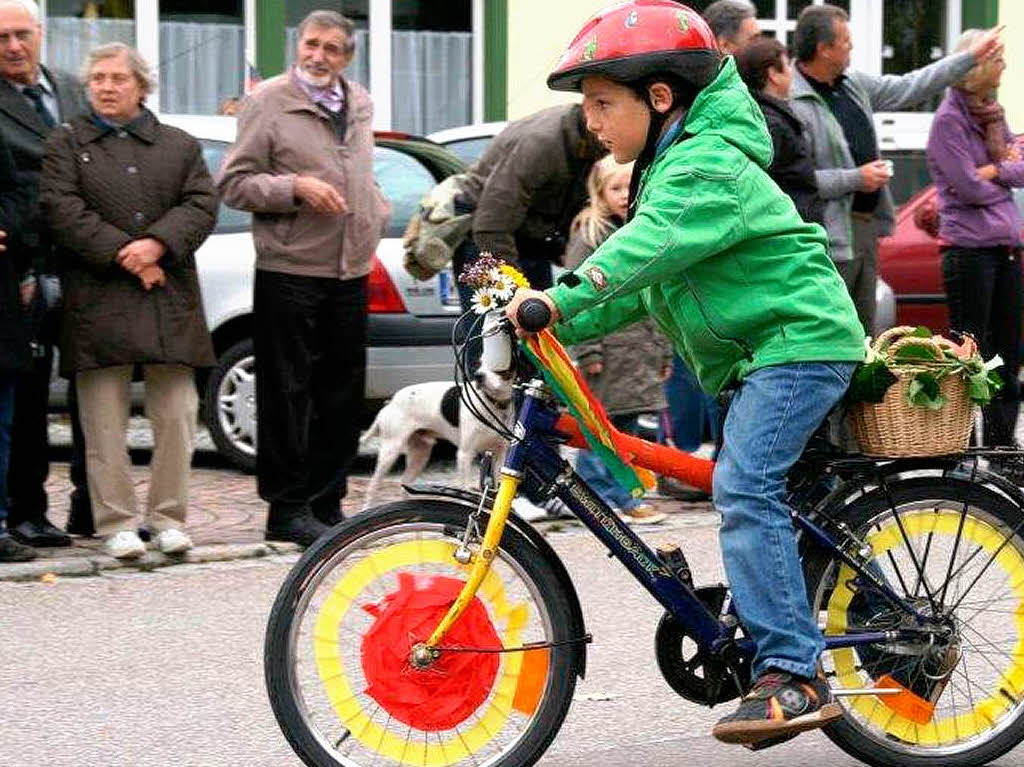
(341, 633)
(953, 551)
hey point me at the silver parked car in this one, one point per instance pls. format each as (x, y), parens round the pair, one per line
(410, 323)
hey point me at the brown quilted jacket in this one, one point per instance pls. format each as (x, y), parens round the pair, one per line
(101, 189)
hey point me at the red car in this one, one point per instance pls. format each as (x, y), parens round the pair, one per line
(909, 261)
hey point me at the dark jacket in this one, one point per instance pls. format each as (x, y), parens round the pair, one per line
(102, 188)
(792, 167)
(14, 336)
(25, 133)
(531, 182)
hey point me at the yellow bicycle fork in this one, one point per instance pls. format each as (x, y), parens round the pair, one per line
(507, 486)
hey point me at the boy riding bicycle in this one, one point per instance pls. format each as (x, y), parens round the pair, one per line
(719, 257)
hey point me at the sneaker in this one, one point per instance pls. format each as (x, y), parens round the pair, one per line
(674, 488)
(778, 707)
(528, 510)
(173, 541)
(12, 550)
(556, 509)
(124, 545)
(644, 514)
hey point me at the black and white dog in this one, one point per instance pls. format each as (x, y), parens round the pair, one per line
(420, 414)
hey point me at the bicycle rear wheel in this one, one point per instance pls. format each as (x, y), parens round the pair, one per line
(953, 550)
(341, 633)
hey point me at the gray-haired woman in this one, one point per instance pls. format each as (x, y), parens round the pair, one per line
(131, 200)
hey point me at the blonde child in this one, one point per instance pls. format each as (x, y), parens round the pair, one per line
(625, 369)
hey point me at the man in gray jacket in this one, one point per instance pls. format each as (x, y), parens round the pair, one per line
(837, 109)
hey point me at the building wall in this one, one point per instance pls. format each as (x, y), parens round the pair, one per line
(1011, 13)
(538, 32)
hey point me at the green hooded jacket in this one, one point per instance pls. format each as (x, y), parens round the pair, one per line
(717, 254)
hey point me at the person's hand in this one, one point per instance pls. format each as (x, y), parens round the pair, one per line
(873, 176)
(988, 46)
(152, 277)
(666, 371)
(319, 195)
(987, 172)
(521, 295)
(3, 236)
(140, 254)
(593, 369)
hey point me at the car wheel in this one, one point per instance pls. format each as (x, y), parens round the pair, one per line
(231, 405)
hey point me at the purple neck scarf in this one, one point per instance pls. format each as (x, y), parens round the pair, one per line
(331, 98)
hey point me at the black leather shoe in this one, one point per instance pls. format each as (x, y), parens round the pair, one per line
(42, 534)
(13, 551)
(329, 516)
(299, 526)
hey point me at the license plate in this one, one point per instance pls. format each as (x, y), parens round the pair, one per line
(449, 289)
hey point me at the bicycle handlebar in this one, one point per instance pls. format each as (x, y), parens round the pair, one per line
(533, 315)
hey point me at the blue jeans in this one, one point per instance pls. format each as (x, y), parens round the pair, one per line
(7, 383)
(773, 414)
(593, 471)
(690, 407)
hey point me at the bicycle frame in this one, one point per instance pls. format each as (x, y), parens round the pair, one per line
(535, 451)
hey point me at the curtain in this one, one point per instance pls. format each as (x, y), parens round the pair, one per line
(202, 64)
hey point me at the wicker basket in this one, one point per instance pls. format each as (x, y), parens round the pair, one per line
(894, 428)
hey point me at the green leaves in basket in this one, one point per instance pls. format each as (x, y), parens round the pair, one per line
(983, 385)
(924, 390)
(920, 332)
(910, 352)
(870, 381)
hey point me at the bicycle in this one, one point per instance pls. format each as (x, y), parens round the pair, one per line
(444, 630)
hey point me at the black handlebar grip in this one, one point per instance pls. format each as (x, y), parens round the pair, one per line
(533, 315)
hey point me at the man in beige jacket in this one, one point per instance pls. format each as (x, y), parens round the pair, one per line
(303, 164)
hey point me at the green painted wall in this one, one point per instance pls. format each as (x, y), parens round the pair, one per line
(495, 59)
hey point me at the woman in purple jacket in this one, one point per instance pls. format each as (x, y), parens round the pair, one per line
(976, 164)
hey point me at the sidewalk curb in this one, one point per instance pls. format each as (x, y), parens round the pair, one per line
(151, 560)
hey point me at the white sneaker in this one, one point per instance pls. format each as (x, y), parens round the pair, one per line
(528, 510)
(125, 545)
(173, 541)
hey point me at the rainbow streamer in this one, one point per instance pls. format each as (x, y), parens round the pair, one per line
(550, 357)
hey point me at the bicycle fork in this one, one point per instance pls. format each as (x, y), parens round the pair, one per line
(424, 654)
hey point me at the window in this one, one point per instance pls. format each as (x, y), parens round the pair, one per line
(75, 27)
(202, 54)
(356, 10)
(431, 65)
(404, 181)
(913, 36)
(469, 150)
(228, 219)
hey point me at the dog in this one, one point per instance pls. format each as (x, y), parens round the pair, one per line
(420, 414)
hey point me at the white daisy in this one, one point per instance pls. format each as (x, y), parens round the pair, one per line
(503, 287)
(484, 301)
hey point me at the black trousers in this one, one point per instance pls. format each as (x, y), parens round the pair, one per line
(30, 451)
(310, 342)
(985, 297)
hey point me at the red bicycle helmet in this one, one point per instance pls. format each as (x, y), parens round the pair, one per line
(628, 41)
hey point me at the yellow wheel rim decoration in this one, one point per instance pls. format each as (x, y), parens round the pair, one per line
(985, 712)
(335, 680)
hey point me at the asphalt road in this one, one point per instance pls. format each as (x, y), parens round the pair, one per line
(165, 670)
